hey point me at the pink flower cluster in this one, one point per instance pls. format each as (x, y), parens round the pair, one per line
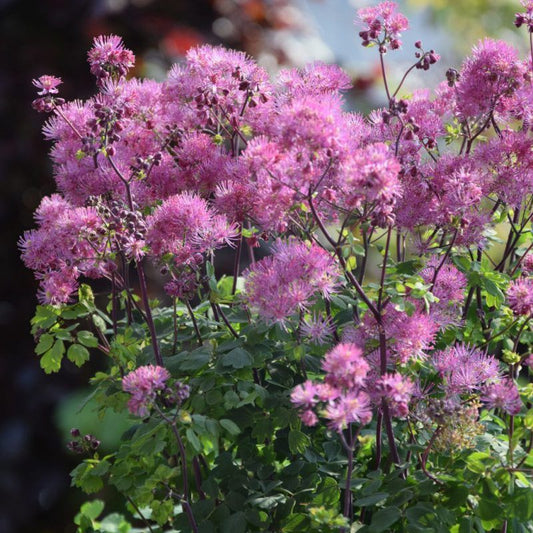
(64, 247)
(350, 391)
(144, 384)
(342, 395)
(109, 59)
(520, 296)
(287, 281)
(383, 25)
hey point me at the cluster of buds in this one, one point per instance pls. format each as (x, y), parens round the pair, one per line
(125, 227)
(252, 91)
(105, 129)
(82, 444)
(182, 286)
(452, 76)
(143, 165)
(525, 18)
(426, 59)
(48, 86)
(174, 396)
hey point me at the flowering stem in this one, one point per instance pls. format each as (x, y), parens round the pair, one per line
(379, 428)
(186, 496)
(148, 312)
(441, 264)
(226, 321)
(138, 511)
(384, 269)
(348, 273)
(425, 455)
(496, 335)
(114, 303)
(237, 261)
(383, 73)
(194, 323)
(390, 433)
(174, 326)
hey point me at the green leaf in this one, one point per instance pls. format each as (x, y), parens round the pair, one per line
(45, 343)
(327, 493)
(193, 440)
(87, 339)
(92, 510)
(230, 426)
(384, 518)
(51, 360)
(236, 523)
(237, 358)
(298, 441)
(488, 509)
(373, 499)
(78, 354)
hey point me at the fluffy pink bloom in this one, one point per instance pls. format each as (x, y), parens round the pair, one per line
(288, 280)
(144, 384)
(449, 288)
(412, 335)
(345, 366)
(382, 25)
(304, 395)
(185, 226)
(397, 391)
(318, 329)
(309, 418)
(502, 395)
(488, 78)
(47, 85)
(354, 407)
(465, 368)
(371, 175)
(109, 58)
(520, 296)
(314, 79)
(59, 250)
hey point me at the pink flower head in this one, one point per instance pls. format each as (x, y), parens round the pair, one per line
(314, 79)
(184, 225)
(382, 25)
(502, 395)
(304, 395)
(48, 88)
(308, 417)
(413, 335)
(354, 407)
(317, 329)
(397, 391)
(108, 58)
(47, 85)
(345, 366)
(465, 368)
(281, 284)
(144, 384)
(488, 77)
(520, 296)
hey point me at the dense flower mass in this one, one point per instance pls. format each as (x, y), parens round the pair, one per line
(144, 384)
(288, 280)
(354, 269)
(465, 368)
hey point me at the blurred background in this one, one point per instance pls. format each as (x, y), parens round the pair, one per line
(52, 37)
